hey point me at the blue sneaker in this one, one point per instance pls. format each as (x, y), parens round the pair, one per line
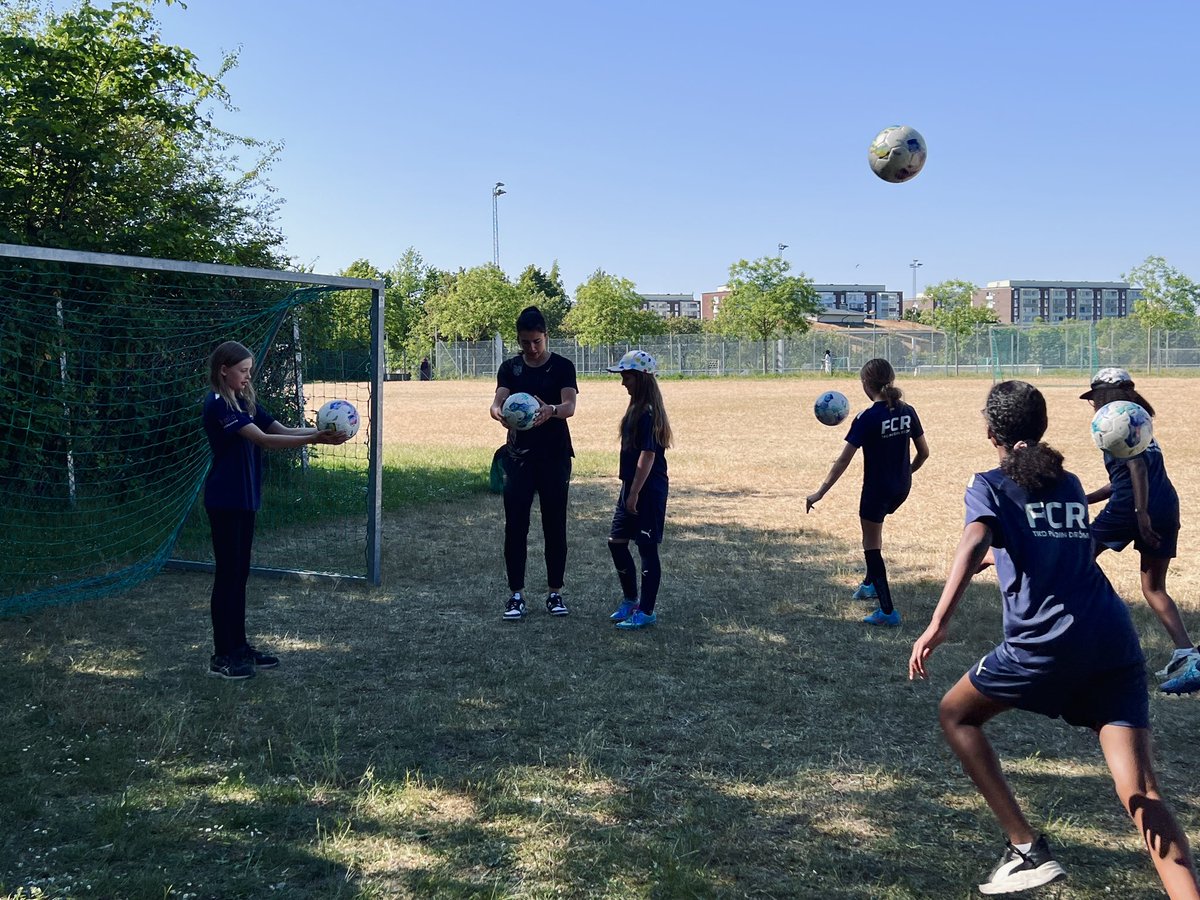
(638, 620)
(1186, 682)
(879, 617)
(624, 611)
(864, 592)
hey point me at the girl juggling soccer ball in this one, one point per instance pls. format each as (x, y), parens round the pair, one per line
(642, 504)
(886, 431)
(1143, 508)
(238, 429)
(1069, 646)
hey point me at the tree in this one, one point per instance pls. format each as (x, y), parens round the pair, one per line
(477, 304)
(764, 301)
(682, 325)
(106, 144)
(548, 293)
(1169, 298)
(410, 285)
(954, 313)
(608, 310)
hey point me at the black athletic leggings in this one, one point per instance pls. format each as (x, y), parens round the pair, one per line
(232, 538)
(550, 479)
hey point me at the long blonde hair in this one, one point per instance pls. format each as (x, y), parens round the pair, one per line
(231, 353)
(645, 396)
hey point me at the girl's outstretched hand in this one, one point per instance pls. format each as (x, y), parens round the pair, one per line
(330, 437)
(810, 501)
(923, 648)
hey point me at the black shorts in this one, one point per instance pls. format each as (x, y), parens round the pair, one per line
(1117, 532)
(875, 505)
(647, 525)
(1078, 694)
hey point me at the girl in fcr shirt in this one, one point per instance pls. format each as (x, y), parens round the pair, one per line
(1069, 646)
(886, 431)
(238, 428)
(642, 503)
(1144, 508)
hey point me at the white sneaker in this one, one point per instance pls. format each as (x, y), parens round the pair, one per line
(1019, 871)
(1177, 664)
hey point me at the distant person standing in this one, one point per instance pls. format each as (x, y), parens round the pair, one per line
(827, 362)
(537, 461)
(426, 370)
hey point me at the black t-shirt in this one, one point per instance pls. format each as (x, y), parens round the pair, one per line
(546, 382)
(886, 436)
(643, 439)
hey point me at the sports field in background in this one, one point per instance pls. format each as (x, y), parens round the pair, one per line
(759, 742)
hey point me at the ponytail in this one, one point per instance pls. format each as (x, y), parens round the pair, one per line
(877, 377)
(1034, 467)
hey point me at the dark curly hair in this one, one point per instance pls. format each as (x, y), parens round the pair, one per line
(1105, 395)
(1016, 414)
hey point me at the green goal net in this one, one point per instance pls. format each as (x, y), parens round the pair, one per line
(103, 372)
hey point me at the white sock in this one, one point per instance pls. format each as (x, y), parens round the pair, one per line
(1023, 848)
(1181, 652)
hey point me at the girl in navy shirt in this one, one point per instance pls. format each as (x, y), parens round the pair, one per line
(642, 503)
(1069, 646)
(238, 428)
(1143, 508)
(886, 431)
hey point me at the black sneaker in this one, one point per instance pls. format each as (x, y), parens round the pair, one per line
(232, 667)
(555, 605)
(1019, 871)
(259, 659)
(515, 608)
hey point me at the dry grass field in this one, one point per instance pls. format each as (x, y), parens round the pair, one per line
(759, 742)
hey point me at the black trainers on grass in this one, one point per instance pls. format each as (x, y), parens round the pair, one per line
(231, 667)
(259, 659)
(515, 608)
(1019, 871)
(555, 605)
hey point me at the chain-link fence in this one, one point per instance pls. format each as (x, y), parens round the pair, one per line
(998, 350)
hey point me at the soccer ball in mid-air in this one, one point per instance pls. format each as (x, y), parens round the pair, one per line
(1122, 428)
(897, 153)
(518, 411)
(831, 408)
(338, 416)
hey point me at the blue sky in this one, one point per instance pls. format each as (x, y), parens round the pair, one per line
(662, 141)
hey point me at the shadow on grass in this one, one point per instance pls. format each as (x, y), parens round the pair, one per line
(759, 741)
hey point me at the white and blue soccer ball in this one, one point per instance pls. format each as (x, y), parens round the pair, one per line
(338, 416)
(1122, 428)
(518, 411)
(831, 408)
(897, 153)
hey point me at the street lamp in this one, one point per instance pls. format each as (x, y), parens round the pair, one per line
(782, 247)
(496, 192)
(914, 265)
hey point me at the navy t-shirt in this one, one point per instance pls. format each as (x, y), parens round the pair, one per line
(1163, 502)
(643, 439)
(885, 436)
(546, 382)
(1058, 605)
(235, 479)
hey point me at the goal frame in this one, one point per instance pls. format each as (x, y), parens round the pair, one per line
(374, 544)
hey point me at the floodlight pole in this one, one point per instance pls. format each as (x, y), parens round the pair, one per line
(782, 247)
(496, 192)
(914, 265)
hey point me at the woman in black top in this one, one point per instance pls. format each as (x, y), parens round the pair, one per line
(538, 460)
